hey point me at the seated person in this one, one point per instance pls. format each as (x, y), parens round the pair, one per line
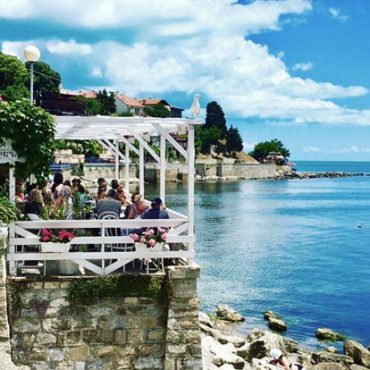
(102, 192)
(136, 208)
(114, 184)
(109, 204)
(122, 196)
(155, 211)
(34, 204)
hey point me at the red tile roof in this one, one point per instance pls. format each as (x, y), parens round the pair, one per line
(129, 101)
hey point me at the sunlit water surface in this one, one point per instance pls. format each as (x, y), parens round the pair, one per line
(293, 246)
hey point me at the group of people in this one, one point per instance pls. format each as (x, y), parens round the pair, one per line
(60, 195)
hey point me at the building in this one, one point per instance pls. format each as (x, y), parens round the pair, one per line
(67, 102)
(175, 111)
(126, 105)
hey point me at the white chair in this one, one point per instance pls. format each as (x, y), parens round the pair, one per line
(115, 232)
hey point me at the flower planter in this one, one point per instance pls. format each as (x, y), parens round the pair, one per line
(142, 247)
(55, 247)
(67, 267)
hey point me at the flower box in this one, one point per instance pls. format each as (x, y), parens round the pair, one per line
(55, 247)
(142, 247)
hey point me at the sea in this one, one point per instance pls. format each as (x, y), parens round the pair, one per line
(297, 247)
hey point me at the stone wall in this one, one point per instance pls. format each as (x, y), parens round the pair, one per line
(51, 331)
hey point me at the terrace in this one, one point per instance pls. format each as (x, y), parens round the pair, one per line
(97, 249)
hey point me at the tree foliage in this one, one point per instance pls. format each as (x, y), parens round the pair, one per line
(13, 78)
(215, 133)
(157, 110)
(90, 148)
(234, 142)
(104, 104)
(32, 132)
(262, 149)
(45, 80)
(107, 102)
(216, 118)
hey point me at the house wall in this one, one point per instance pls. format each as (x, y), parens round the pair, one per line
(120, 106)
(114, 332)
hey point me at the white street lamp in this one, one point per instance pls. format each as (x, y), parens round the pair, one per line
(31, 54)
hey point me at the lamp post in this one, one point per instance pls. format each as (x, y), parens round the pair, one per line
(31, 54)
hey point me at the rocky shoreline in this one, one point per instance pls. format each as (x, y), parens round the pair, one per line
(281, 175)
(224, 348)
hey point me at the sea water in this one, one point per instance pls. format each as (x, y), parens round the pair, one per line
(297, 247)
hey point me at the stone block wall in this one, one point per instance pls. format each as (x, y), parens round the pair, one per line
(48, 331)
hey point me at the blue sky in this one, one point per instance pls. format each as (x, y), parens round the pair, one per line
(296, 70)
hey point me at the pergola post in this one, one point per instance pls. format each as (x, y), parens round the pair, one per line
(141, 169)
(162, 182)
(117, 160)
(11, 184)
(191, 161)
(127, 168)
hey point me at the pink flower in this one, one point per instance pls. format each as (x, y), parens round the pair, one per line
(150, 232)
(65, 235)
(46, 232)
(161, 230)
(134, 237)
(152, 242)
(142, 240)
(164, 236)
(45, 238)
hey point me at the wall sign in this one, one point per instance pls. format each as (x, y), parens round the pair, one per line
(7, 154)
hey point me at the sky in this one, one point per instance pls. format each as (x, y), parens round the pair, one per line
(295, 70)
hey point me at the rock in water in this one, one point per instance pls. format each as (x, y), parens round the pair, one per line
(328, 334)
(277, 324)
(270, 314)
(360, 355)
(224, 312)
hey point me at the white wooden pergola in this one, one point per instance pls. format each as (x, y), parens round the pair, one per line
(112, 132)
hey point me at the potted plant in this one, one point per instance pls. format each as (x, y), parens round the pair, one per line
(59, 241)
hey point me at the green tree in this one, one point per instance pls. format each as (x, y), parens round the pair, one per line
(46, 80)
(93, 107)
(32, 132)
(215, 117)
(262, 149)
(90, 148)
(107, 102)
(157, 110)
(234, 142)
(13, 78)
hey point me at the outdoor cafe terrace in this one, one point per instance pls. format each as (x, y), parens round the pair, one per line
(103, 246)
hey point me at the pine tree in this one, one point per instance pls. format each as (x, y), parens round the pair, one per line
(216, 117)
(234, 141)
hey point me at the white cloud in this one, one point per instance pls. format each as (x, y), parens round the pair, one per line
(96, 72)
(212, 58)
(163, 17)
(68, 47)
(346, 150)
(15, 48)
(337, 14)
(303, 67)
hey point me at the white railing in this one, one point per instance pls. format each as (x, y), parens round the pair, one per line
(23, 234)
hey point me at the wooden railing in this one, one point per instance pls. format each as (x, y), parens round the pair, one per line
(102, 259)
